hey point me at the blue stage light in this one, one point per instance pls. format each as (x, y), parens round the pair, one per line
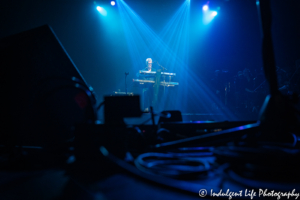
(112, 3)
(101, 10)
(205, 8)
(208, 16)
(171, 47)
(214, 13)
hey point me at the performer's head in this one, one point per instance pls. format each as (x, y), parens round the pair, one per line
(149, 64)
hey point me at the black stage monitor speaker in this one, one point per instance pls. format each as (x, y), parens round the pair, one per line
(43, 93)
(118, 107)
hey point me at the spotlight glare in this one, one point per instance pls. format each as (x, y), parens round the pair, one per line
(205, 7)
(112, 3)
(101, 10)
(214, 13)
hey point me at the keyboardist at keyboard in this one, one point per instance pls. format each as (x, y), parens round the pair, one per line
(147, 90)
(151, 79)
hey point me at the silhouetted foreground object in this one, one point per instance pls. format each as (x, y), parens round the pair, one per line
(44, 94)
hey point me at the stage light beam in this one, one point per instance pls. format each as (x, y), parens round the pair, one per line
(205, 8)
(113, 3)
(209, 16)
(101, 10)
(171, 47)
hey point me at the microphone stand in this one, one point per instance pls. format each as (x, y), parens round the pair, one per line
(163, 76)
